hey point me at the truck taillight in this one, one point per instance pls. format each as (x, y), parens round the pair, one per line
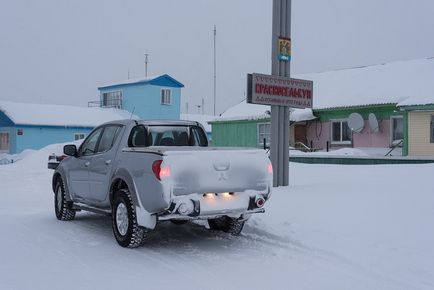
(270, 168)
(160, 172)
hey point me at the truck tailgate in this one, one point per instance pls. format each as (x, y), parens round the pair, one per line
(217, 170)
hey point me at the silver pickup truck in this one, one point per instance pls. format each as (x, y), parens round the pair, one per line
(143, 172)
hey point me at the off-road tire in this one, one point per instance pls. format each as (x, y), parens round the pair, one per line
(226, 224)
(135, 235)
(62, 207)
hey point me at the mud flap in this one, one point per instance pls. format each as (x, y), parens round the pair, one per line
(145, 219)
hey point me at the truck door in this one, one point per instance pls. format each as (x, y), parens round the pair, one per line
(79, 166)
(102, 163)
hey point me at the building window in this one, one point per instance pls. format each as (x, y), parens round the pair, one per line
(79, 136)
(397, 130)
(112, 100)
(165, 97)
(432, 129)
(264, 132)
(341, 133)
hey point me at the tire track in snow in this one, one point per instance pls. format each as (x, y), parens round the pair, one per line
(255, 233)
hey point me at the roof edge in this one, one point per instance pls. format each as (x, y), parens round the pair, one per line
(154, 81)
(356, 107)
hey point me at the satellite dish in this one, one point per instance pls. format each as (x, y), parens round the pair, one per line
(355, 122)
(373, 123)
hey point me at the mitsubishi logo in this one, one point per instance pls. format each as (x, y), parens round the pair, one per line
(223, 176)
(222, 168)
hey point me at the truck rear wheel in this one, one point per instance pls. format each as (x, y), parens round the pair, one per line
(226, 224)
(124, 222)
(61, 206)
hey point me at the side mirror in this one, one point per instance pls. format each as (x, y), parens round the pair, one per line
(70, 150)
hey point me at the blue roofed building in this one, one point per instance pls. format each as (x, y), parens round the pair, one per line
(149, 98)
(33, 126)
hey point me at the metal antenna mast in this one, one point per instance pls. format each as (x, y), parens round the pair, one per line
(215, 75)
(146, 65)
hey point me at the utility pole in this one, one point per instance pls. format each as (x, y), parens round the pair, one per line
(215, 74)
(280, 114)
(146, 65)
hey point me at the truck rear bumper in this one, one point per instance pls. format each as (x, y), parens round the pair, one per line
(237, 214)
(213, 205)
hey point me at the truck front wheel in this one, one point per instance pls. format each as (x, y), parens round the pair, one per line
(124, 222)
(226, 224)
(61, 206)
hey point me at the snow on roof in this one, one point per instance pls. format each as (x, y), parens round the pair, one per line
(396, 82)
(130, 81)
(243, 111)
(401, 83)
(60, 115)
(203, 119)
(419, 100)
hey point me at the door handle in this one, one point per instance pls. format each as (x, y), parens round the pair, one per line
(87, 163)
(107, 162)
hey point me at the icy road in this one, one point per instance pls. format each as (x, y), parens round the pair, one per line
(334, 227)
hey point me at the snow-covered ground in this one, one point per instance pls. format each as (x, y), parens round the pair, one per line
(334, 227)
(351, 152)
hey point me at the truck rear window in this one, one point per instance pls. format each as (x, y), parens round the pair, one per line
(144, 136)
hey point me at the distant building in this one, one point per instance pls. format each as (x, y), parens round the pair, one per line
(395, 93)
(418, 126)
(249, 125)
(33, 126)
(398, 95)
(149, 98)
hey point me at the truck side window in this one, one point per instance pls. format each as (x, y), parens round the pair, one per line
(89, 145)
(199, 138)
(138, 137)
(108, 138)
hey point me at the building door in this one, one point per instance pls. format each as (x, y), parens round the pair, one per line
(300, 134)
(4, 142)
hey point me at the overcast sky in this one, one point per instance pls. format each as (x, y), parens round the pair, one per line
(58, 51)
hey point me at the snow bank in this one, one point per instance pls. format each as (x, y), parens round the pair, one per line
(36, 159)
(338, 152)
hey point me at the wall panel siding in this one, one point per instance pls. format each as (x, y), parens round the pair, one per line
(235, 134)
(319, 132)
(381, 112)
(419, 134)
(35, 137)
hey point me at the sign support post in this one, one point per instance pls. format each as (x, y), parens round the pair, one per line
(280, 114)
(280, 91)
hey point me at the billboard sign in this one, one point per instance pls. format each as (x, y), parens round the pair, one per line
(279, 91)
